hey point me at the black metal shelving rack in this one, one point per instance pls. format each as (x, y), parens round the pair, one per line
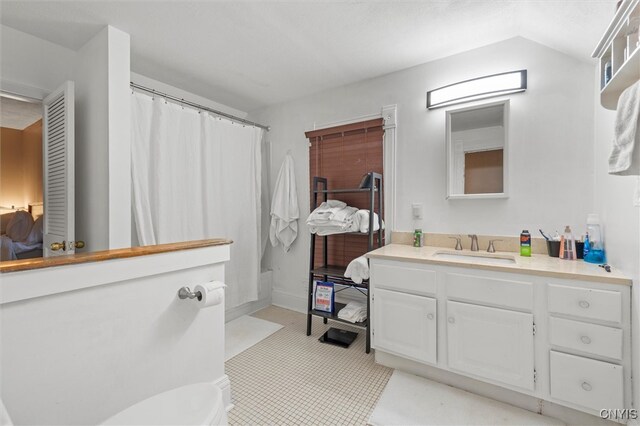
(335, 274)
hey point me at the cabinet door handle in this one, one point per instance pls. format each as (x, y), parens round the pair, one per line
(585, 339)
(586, 386)
(451, 320)
(430, 316)
(584, 304)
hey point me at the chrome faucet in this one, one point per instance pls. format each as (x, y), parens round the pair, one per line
(491, 248)
(458, 242)
(474, 242)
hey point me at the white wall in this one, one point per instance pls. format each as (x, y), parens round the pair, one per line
(621, 219)
(179, 93)
(32, 66)
(550, 140)
(119, 119)
(82, 342)
(35, 67)
(103, 141)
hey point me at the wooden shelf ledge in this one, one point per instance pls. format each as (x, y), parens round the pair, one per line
(98, 256)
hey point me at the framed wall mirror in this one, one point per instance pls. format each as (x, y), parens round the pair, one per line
(477, 160)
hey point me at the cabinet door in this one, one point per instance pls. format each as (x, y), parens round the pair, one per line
(491, 343)
(405, 325)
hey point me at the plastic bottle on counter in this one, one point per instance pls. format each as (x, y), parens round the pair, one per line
(567, 245)
(417, 238)
(594, 250)
(525, 243)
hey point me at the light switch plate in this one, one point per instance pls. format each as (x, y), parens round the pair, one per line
(416, 210)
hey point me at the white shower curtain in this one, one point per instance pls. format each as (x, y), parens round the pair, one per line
(197, 176)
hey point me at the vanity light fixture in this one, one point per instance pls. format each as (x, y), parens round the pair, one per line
(478, 88)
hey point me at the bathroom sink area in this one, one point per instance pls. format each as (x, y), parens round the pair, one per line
(490, 259)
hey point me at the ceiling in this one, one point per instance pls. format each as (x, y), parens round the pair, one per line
(250, 54)
(18, 114)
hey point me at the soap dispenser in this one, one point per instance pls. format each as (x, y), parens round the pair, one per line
(567, 245)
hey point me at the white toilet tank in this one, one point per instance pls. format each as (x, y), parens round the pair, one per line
(198, 404)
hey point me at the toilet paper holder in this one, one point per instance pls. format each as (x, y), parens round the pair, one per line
(186, 293)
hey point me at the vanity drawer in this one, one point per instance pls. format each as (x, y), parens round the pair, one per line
(589, 303)
(489, 290)
(585, 337)
(586, 382)
(403, 277)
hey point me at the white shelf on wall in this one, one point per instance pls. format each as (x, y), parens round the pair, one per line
(628, 74)
(621, 36)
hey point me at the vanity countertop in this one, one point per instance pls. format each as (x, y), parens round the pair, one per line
(46, 262)
(537, 264)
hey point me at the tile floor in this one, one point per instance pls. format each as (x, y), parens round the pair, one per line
(413, 400)
(290, 378)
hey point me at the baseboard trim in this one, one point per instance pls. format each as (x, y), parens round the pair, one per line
(246, 309)
(225, 386)
(289, 301)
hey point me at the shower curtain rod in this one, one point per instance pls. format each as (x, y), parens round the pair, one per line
(198, 106)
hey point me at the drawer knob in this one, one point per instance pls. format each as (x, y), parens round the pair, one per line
(586, 386)
(585, 339)
(584, 304)
(430, 316)
(451, 320)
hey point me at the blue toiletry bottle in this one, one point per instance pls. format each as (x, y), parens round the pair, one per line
(585, 250)
(594, 250)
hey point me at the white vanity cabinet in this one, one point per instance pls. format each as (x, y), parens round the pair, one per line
(406, 317)
(589, 344)
(556, 339)
(406, 325)
(492, 343)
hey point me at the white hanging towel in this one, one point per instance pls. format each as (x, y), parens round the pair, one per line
(284, 207)
(625, 157)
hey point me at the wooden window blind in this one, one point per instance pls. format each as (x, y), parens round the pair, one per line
(343, 155)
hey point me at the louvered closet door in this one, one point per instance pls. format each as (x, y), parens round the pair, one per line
(59, 180)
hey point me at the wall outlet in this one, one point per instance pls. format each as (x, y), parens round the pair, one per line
(416, 210)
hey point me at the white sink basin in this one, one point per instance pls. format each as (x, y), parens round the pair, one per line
(490, 259)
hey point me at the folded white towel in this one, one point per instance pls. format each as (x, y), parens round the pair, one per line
(284, 207)
(358, 270)
(625, 156)
(363, 221)
(353, 312)
(332, 227)
(326, 211)
(332, 217)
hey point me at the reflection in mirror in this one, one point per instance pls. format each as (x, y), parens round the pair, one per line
(476, 151)
(21, 196)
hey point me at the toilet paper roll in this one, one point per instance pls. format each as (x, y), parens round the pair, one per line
(212, 293)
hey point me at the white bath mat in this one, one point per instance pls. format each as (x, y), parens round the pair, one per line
(244, 332)
(413, 400)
